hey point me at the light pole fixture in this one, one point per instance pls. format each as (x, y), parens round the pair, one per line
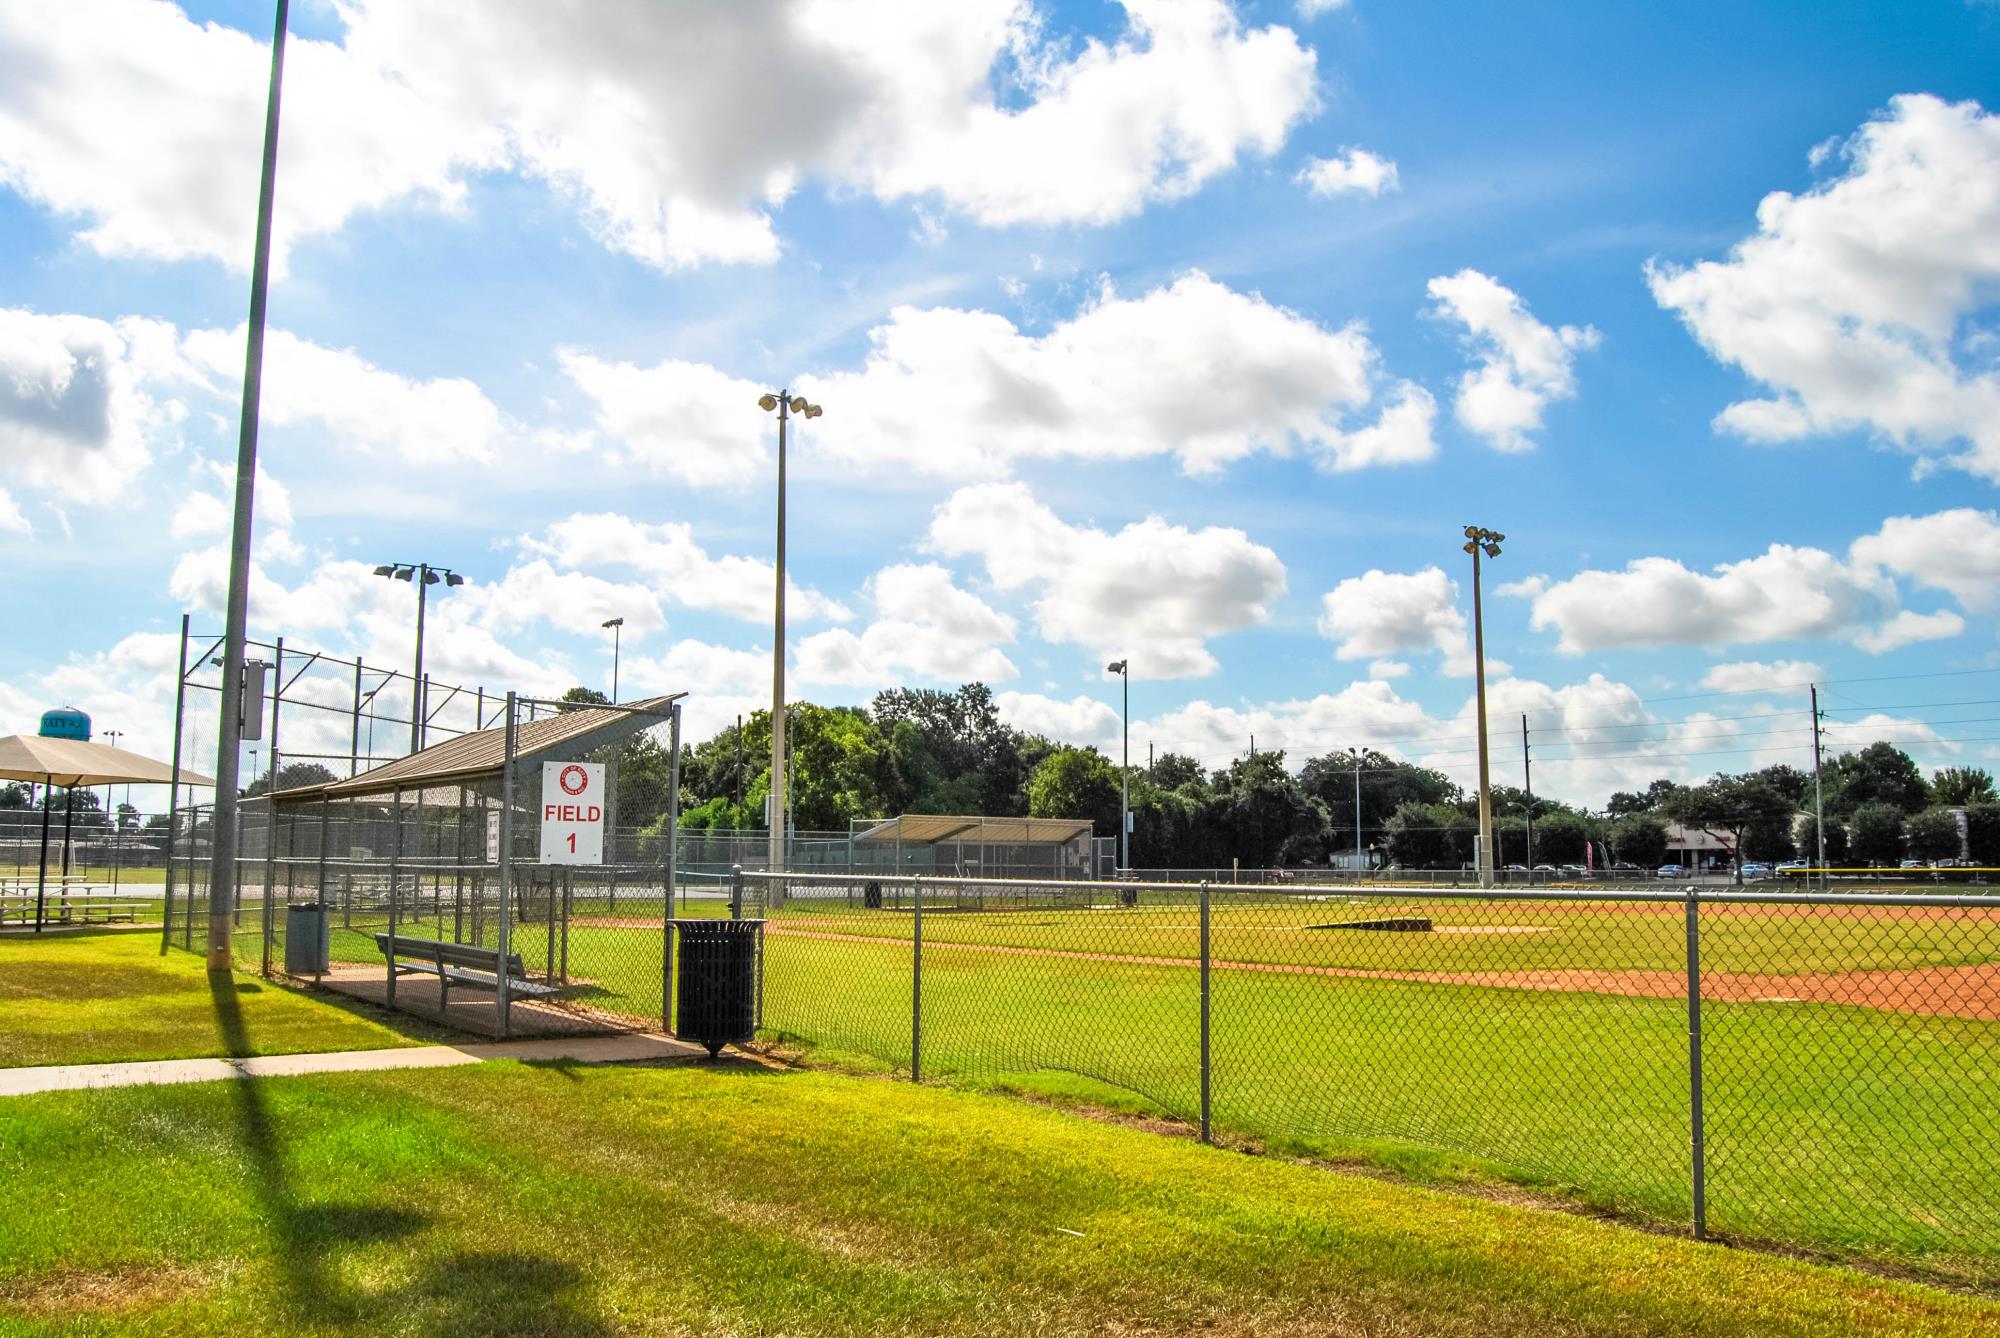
(423, 575)
(1123, 668)
(786, 405)
(616, 625)
(1482, 541)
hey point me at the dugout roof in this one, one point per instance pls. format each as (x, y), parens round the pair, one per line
(565, 736)
(924, 829)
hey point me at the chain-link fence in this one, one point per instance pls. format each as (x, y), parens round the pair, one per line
(433, 887)
(1819, 1070)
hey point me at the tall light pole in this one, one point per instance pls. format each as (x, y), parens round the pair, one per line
(423, 575)
(616, 625)
(236, 613)
(1478, 541)
(1123, 668)
(786, 404)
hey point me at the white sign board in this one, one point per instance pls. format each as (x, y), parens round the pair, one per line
(492, 838)
(572, 813)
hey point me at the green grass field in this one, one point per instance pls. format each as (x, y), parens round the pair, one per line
(1840, 1128)
(103, 996)
(560, 1200)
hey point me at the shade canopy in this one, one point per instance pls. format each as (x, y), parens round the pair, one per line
(67, 762)
(570, 733)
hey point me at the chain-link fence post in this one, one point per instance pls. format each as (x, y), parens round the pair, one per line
(1695, 1122)
(502, 998)
(917, 981)
(1205, 1065)
(736, 891)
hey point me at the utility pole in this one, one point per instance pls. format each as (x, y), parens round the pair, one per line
(1819, 805)
(236, 620)
(1528, 784)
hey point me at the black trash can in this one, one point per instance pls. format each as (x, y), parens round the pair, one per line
(716, 993)
(306, 948)
(871, 896)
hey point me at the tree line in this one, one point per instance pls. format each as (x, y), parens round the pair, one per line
(918, 750)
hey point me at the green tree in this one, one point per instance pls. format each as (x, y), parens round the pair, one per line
(1638, 838)
(1956, 787)
(1560, 838)
(1076, 783)
(1171, 771)
(1626, 802)
(1267, 815)
(1386, 785)
(1932, 834)
(835, 757)
(1431, 836)
(291, 775)
(1881, 773)
(1875, 834)
(1729, 806)
(1837, 852)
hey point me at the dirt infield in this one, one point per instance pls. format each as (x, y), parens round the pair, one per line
(1968, 992)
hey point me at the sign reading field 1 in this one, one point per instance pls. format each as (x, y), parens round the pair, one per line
(572, 813)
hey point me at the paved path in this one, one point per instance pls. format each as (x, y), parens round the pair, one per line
(582, 1049)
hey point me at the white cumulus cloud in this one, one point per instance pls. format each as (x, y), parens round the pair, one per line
(958, 393)
(669, 556)
(925, 627)
(1786, 593)
(1381, 613)
(1153, 591)
(1852, 302)
(1521, 365)
(1349, 172)
(676, 130)
(1758, 676)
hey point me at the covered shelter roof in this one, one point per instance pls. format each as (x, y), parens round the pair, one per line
(924, 829)
(71, 762)
(565, 736)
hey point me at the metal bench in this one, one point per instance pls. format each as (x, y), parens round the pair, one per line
(458, 963)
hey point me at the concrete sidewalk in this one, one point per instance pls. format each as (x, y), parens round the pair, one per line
(581, 1049)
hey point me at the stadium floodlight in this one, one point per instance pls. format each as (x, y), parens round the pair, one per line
(616, 625)
(1123, 668)
(787, 404)
(422, 575)
(1479, 540)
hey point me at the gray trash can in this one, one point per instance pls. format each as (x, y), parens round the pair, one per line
(306, 947)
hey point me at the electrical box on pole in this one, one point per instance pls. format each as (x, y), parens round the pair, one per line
(250, 716)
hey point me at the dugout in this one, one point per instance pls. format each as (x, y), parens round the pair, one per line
(1052, 849)
(439, 897)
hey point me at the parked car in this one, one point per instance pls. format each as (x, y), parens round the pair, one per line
(1757, 871)
(1792, 868)
(1913, 864)
(1671, 871)
(1547, 868)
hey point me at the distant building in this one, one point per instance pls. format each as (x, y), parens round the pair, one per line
(1696, 847)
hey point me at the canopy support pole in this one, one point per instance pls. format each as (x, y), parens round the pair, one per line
(42, 877)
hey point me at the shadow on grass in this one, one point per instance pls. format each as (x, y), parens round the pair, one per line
(468, 1292)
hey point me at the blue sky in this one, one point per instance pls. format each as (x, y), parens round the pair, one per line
(1178, 331)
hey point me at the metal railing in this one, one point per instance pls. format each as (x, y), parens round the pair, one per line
(1814, 1069)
